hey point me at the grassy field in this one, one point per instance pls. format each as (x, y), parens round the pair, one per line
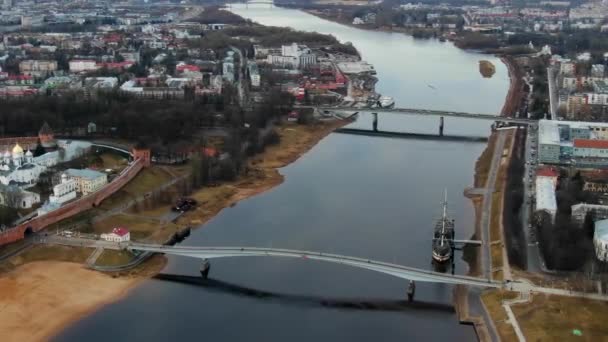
(146, 181)
(113, 161)
(113, 258)
(492, 299)
(553, 318)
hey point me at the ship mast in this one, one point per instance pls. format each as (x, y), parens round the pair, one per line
(445, 215)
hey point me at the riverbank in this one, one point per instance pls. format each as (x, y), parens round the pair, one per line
(49, 294)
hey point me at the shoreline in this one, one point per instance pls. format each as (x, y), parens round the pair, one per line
(300, 139)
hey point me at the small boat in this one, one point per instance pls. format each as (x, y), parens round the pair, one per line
(386, 102)
(443, 235)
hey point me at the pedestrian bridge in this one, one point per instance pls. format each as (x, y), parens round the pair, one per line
(404, 272)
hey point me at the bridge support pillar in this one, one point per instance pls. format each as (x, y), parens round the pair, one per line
(411, 291)
(441, 126)
(205, 267)
(375, 123)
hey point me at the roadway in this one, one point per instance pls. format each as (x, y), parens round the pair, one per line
(534, 262)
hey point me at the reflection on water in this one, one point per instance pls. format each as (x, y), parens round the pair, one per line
(353, 195)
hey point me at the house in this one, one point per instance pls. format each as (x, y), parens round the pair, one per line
(87, 180)
(118, 234)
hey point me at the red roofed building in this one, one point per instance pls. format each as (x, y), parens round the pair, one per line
(118, 234)
(591, 143)
(590, 150)
(187, 67)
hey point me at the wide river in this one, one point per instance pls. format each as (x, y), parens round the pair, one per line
(370, 197)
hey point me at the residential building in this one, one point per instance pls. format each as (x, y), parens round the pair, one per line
(254, 74)
(545, 196)
(87, 180)
(37, 67)
(82, 65)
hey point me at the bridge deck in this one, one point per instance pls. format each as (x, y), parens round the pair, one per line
(404, 272)
(418, 111)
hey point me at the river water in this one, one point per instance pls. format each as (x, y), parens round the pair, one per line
(370, 197)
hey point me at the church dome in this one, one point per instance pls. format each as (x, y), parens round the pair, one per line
(7, 154)
(17, 149)
(29, 153)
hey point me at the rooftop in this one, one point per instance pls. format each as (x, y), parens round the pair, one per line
(545, 194)
(591, 143)
(85, 173)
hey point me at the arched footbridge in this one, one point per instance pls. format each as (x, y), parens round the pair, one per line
(404, 272)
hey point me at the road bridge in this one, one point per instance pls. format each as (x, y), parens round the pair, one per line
(425, 112)
(404, 272)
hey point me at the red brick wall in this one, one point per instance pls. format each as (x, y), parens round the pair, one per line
(75, 207)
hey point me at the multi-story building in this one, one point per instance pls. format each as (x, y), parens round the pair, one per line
(254, 74)
(37, 67)
(573, 142)
(87, 180)
(64, 191)
(80, 65)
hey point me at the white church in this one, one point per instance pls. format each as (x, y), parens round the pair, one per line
(22, 168)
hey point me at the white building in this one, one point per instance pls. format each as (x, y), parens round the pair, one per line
(228, 67)
(600, 240)
(545, 196)
(80, 65)
(64, 191)
(19, 167)
(580, 210)
(293, 56)
(87, 180)
(117, 235)
(254, 74)
(15, 197)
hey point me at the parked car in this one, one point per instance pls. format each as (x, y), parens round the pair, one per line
(184, 204)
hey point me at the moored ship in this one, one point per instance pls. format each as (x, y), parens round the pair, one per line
(443, 236)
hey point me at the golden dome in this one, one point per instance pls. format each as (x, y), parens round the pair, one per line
(17, 149)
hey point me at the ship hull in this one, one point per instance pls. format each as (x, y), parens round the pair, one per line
(441, 258)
